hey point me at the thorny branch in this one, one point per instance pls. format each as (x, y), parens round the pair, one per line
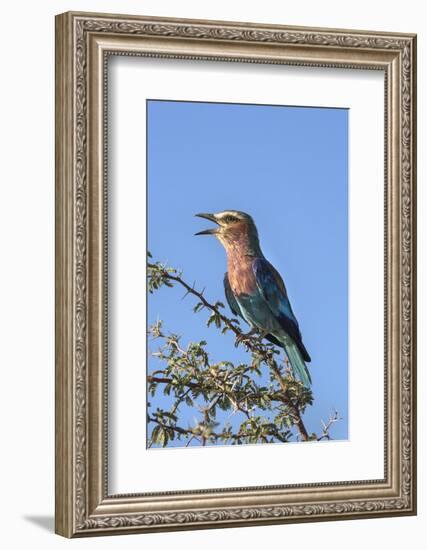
(191, 377)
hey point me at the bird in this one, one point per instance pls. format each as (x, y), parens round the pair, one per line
(254, 289)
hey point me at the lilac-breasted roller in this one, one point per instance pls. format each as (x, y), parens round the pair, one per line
(254, 289)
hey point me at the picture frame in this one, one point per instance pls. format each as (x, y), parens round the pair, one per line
(84, 505)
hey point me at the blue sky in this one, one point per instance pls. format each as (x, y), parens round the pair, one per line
(288, 168)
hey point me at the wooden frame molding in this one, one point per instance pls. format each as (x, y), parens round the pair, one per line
(83, 43)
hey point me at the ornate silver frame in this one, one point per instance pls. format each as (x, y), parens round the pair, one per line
(83, 505)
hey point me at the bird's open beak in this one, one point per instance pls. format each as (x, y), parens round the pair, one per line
(212, 231)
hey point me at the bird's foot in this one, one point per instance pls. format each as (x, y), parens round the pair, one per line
(243, 337)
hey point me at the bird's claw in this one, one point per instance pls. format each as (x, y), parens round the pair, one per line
(240, 338)
(246, 337)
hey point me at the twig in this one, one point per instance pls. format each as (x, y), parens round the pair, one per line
(326, 427)
(192, 290)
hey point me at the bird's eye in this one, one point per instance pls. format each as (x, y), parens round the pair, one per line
(230, 219)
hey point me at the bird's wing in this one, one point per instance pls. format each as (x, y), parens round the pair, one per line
(273, 290)
(232, 302)
(235, 308)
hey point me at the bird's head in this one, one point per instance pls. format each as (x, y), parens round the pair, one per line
(233, 228)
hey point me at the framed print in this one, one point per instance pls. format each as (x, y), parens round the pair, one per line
(235, 274)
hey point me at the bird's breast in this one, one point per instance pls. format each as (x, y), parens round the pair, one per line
(241, 275)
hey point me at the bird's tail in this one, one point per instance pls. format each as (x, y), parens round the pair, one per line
(298, 365)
